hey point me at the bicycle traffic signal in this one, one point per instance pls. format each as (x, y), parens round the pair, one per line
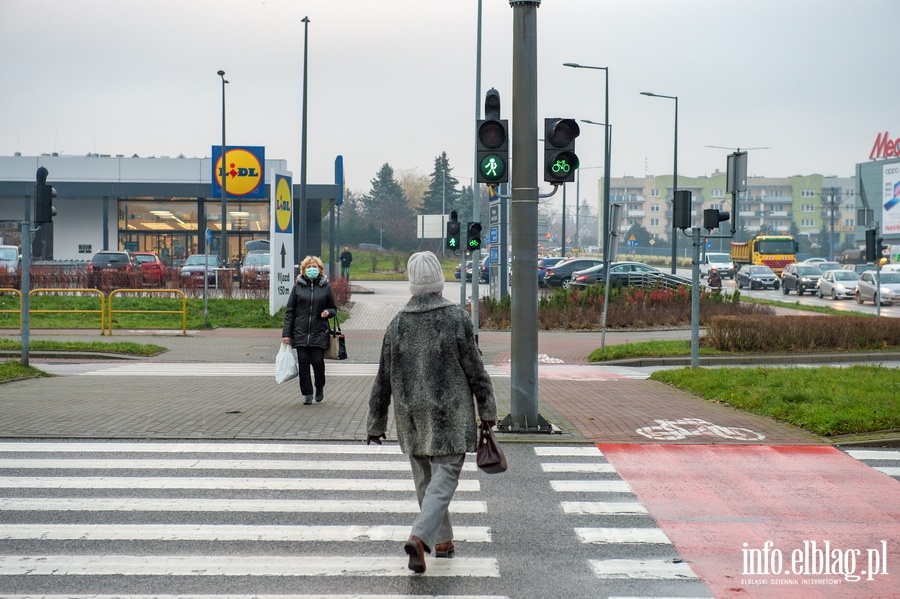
(474, 236)
(453, 232)
(560, 160)
(492, 135)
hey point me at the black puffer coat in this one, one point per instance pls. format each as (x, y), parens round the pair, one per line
(303, 321)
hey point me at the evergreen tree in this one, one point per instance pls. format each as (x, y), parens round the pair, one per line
(442, 193)
(386, 208)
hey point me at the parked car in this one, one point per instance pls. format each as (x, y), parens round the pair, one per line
(560, 274)
(484, 273)
(890, 288)
(121, 262)
(620, 273)
(196, 265)
(756, 276)
(543, 264)
(153, 269)
(255, 270)
(468, 271)
(720, 261)
(9, 258)
(800, 277)
(838, 284)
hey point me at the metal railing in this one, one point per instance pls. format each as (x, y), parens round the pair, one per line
(19, 311)
(176, 292)
(101, 311)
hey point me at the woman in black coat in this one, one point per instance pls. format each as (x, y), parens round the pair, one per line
(306, 325)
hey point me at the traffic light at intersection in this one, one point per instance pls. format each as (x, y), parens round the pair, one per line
(712, 217)
(453, 232)
(560, 160)
(870, 245)
(473, 237)
(492, 135)
(43, 198)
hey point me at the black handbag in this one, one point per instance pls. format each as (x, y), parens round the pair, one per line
(488, 457)
(337, 343)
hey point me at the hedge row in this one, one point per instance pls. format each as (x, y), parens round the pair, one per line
(802, 333)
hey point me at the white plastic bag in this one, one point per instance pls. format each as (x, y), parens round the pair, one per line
(285, 365)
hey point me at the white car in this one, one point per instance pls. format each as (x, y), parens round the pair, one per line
(721, 262)
(890, 287)
(838, 284)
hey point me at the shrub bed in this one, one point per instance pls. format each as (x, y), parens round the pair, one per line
(801, 333)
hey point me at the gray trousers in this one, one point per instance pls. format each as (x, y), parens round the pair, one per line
(436, 478)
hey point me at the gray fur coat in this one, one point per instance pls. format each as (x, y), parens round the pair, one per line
(432, 368)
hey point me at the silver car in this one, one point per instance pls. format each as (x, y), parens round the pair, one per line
(890, 287)
(838, 284)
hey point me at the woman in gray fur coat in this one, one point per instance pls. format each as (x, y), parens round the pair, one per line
(431, 367)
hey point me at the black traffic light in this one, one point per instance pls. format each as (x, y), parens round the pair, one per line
(712, 217)
(473, 236)
(492, 135)
(43, 198)
(453, 236)
(881, 250)
(681, 213)
(560, 160)
(870, 246)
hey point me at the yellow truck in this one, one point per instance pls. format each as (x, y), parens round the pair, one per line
(775, 251)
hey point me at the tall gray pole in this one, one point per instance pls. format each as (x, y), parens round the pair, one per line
(674, 191)
(524, 213)
(300, 209)
(476, 189)
(223, 250)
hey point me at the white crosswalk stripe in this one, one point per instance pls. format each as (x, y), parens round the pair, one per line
(618, 506)
(883, 460)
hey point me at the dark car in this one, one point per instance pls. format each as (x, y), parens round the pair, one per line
(756, 276)
(620, 273)
(114, 268)
(800, 278)
(560, 274)
(543, 264)
(468, 271)
(153, 269)
(198, 264)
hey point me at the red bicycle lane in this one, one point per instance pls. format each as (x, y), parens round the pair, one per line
(771, 521)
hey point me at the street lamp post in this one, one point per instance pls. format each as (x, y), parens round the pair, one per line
(674, 178)
(605, 203)
(223, 251)
(607, 142)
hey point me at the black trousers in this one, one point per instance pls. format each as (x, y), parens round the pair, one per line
(315, 357)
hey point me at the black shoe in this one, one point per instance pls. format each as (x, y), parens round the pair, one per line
(307, 400)
(319, 396)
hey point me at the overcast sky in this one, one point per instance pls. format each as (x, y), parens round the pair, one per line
(393, 81)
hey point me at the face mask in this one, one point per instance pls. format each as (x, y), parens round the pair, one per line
(312, 272)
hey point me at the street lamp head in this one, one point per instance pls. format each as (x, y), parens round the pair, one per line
(221, 73)
(647, 94)
(574, 65)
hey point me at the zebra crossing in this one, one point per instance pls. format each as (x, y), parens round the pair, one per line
(883, 460)
(241, 519)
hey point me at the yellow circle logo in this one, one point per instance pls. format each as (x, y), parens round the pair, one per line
(243, 173)
(283, 205)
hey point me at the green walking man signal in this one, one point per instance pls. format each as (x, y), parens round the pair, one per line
(453, 232)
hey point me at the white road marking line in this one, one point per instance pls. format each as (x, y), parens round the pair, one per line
(577, 467)
(129, 504)
(238, 369)
(889, 470)
(268, 484)
(600, 508)
(184, 447)
(244, 565)
(589, 450)
(590, 486)
(191, 464)
(223, 532)
(642, 569)
(870, 454)
(622, 535)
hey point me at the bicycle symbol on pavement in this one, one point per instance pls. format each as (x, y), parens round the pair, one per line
(674, 430)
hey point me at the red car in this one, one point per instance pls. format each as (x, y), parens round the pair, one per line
(153, 269)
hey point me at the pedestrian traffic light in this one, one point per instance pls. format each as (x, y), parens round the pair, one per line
(43, 198)
(474, 236)
(492, 135)
(453, 236)
(870, 246)
(881, 249)
(712, 217)
(681, 214)
(560, 160)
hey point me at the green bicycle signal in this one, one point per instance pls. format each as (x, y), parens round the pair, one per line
(561, 166)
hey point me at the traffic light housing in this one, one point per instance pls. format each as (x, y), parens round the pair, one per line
(492, 134)
(712, 217)
(881, 250)
(43, 198)
(870, 246)
(681, 213)
(560, 160)
(453, 232)
(473, 241)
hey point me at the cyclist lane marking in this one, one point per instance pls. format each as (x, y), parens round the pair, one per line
(771, 521)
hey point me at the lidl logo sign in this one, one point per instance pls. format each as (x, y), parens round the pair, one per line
(243, 172)
(283, 203)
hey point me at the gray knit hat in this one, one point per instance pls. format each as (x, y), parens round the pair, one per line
(425, 274)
